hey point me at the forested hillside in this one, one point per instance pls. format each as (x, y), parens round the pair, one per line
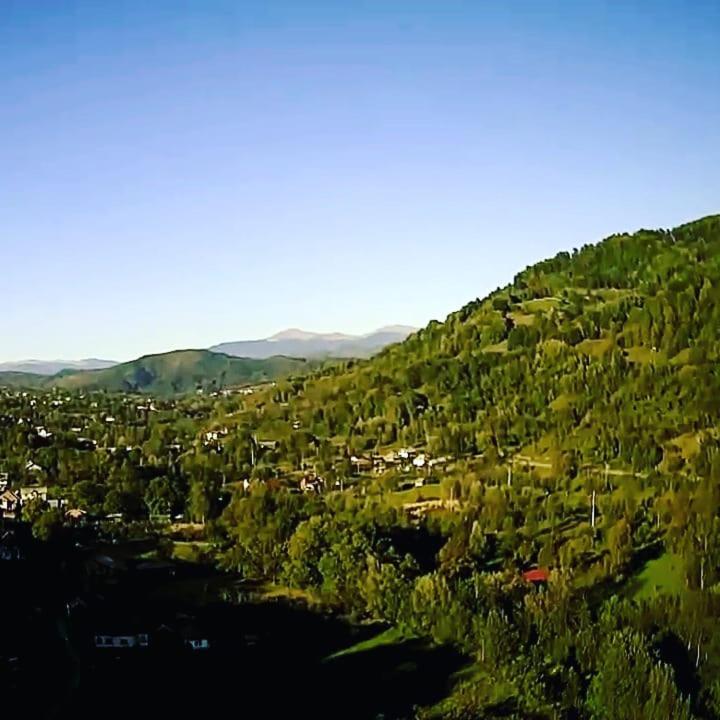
(608, 353)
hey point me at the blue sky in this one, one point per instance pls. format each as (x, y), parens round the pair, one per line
(178, 173)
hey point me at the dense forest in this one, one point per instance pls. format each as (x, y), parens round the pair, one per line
(567, 423)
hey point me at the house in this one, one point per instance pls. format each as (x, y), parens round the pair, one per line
(32, 467)
(215, 435)
(361, 464)
(419, 461)
(268, 444)
(536, 575)
(195, 639)
(75, 514)
(121, 640)
(4, 480)
(9, 503)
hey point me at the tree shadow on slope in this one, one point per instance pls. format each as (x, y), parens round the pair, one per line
(268, 660)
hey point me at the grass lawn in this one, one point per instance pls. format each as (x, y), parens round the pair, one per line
(664, 575)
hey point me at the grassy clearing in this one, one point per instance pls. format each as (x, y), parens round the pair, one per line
(189, 551)
(499, 348)
(522, 319)
(391, 636)
(664, 575)
(595, 348)
(541, 304)
(414, 495)
(643, 355)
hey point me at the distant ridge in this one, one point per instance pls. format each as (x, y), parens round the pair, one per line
(301, 343)
(52, 367)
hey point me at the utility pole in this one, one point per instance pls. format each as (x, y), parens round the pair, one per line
(592, 513)
(509, 475)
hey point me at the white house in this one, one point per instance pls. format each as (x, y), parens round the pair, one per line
(419, 461)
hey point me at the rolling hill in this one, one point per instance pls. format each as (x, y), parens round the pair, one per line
(14, 379)
(167, 373)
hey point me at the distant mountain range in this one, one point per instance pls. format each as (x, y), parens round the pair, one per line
(299, 343)
(52, 367)
(291, 343)
(238, 363)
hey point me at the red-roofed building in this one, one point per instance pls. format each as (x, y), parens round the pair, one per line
(537, 575)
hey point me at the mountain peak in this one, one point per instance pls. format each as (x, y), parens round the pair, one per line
(295, 342)
(297, 334)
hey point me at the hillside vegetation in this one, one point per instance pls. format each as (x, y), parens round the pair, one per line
(608, 354)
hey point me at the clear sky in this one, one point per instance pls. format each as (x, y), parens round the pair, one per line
(176, 173)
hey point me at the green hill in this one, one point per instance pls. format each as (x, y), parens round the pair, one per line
(608, 354)
(21, 380)
(167, 373)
